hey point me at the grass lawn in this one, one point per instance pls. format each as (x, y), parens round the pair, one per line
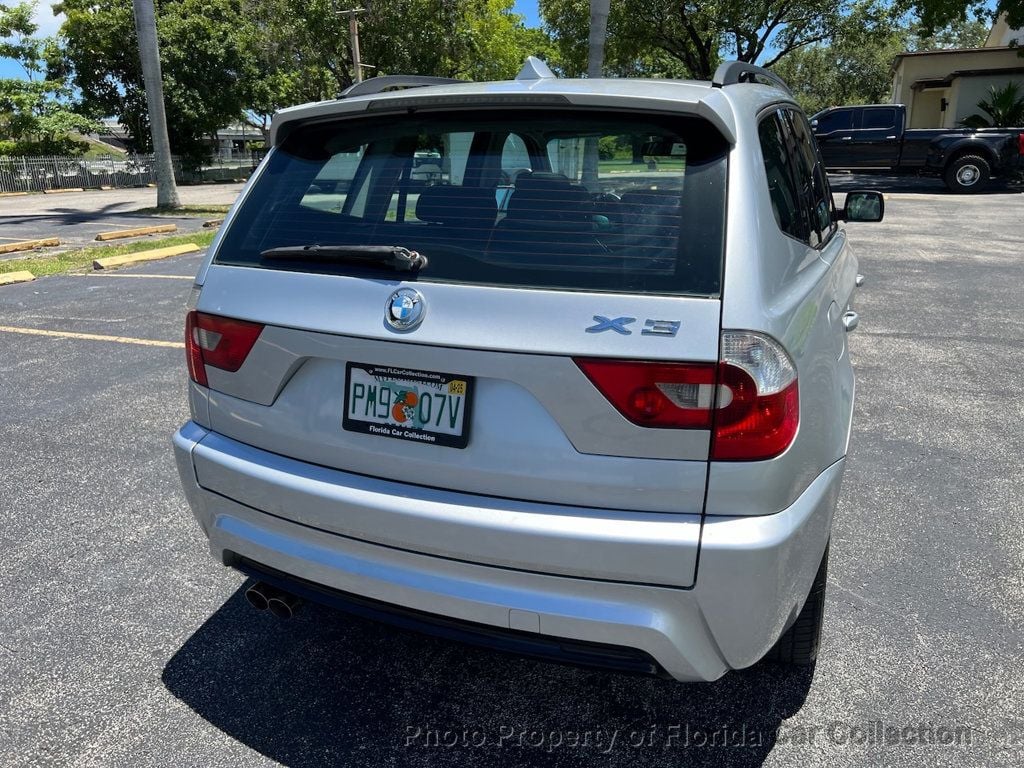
(81, 259)
(187, 210)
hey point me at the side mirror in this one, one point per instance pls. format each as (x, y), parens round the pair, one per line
(814, 125)
(863, 205)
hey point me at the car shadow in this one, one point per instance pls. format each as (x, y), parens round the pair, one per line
(928, 185)
(327, 688)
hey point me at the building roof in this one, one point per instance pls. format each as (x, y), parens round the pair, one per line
(945, 82)
(951, 52)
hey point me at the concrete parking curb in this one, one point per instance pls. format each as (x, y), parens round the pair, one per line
(138, 232)
(208, 224)
(24, 276)
(152, 255)
(62, 191)
(13, 194)
(28, 245)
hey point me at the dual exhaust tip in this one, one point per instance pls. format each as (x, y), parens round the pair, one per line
(264, 597)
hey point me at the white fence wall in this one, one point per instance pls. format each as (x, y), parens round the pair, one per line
(38, 174)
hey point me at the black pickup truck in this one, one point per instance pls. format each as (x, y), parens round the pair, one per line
(872, 138)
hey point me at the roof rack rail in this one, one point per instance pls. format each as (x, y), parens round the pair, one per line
(383, 82)
(734, 72)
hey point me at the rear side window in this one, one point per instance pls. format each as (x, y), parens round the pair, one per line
(812, 182)
(782, 188)
(879, 118)
(840, 120)
(524, 198)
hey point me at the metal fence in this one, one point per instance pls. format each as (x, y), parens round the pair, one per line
(38, 174)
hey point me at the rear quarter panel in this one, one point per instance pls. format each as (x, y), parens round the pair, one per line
(781, 287)
(996, 149)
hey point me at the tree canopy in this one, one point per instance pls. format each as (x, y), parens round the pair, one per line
(223, 59)
(855, 67)
(35, 115)
(696, 35)
(935, 14)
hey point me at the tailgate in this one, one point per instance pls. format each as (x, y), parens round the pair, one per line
(537, 428)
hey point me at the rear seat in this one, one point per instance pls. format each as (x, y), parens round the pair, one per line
(464, 213)
(545, 213)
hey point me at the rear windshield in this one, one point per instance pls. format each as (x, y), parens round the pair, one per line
(536, 199)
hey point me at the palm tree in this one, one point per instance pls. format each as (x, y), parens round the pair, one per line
(1004, 107)
(145, 28)
(595, 68)
(598, 31)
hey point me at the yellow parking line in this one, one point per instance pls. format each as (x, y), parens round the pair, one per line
(92, 337)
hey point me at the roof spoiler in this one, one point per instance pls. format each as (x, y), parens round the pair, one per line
(384, 82)
(533, 69)
(736, 72)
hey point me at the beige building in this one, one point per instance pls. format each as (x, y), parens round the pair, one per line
(941, 88)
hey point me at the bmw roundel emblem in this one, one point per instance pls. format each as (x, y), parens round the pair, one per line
(405, 309)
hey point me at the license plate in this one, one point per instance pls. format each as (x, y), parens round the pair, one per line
(421, 406)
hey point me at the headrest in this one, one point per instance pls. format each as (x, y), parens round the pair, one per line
(530, 180)
(445, 204)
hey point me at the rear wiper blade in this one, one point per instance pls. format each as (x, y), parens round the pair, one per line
(394, 256)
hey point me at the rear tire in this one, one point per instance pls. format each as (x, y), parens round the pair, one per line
(968, 174)
(799, 644)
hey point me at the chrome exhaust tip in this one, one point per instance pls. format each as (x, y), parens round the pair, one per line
(284, 605)
(259, 595)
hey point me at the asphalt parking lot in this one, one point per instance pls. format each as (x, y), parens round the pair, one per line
(123, 644)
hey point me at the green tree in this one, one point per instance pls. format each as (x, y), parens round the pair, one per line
(36, 115)
(699, 34)
(855, 67)
(957, 33)
(628, 53)
(208, 68)
(936, 14)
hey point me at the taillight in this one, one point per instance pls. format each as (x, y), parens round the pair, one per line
(758, 409)
(669, 395)
(218, 341)
(1020, 143)
(749, 400)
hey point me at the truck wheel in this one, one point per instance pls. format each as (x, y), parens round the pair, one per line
(968, 174)
(799, 644)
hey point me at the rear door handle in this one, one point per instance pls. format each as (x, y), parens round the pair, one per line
(850, 320)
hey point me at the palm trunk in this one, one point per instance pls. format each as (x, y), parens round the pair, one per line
(595, 68)
(145, 28)
(598, 32)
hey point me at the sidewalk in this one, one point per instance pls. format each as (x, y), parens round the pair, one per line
(112, 200)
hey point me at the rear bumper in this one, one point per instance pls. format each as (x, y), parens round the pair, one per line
(754, 572)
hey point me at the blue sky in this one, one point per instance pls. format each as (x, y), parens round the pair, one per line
(528, 8)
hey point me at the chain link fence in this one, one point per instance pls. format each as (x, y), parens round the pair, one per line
(39, 174)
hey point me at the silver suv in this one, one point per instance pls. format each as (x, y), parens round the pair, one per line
(559, 366)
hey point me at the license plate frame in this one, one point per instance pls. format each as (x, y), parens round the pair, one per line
(441, 389)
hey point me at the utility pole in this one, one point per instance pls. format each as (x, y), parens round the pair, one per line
(353, 33)
(149, 52)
